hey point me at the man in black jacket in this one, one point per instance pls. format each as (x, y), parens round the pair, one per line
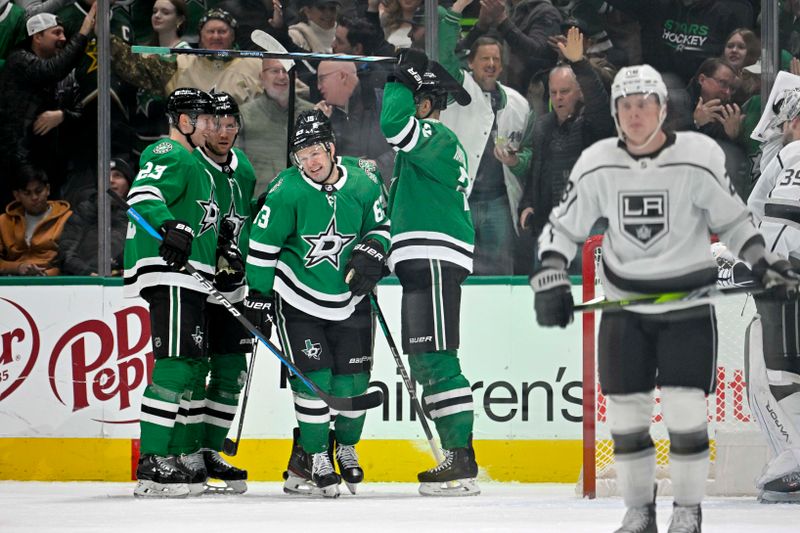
(32, 109)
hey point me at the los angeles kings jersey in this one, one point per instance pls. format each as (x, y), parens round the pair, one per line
(428, 195)
(305, 232)
(171, 184)
(661, 211)
(775, 201)
(234, 182)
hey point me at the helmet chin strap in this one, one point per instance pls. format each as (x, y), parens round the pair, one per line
(623, 137)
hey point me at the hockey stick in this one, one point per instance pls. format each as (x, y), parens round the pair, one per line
(601, 304)
(437, 454)
(230, 447)
(354, 403)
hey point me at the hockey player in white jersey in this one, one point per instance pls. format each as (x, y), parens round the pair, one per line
(663, 194)
(773, 343)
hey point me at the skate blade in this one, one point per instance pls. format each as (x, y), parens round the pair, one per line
(460, 487)
(151, 489)
(231, 487)
(771, 496)
(352, 487)
(297, 486)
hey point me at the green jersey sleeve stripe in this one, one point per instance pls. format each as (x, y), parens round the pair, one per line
(407, 139)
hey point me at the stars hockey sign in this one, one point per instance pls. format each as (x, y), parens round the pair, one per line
(644, 216)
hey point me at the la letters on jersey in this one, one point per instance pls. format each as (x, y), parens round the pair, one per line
(644, 216)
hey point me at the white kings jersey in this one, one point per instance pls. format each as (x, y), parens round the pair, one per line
(661, 211)
(775, 201)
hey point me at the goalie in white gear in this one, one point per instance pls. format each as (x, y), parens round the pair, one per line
(773, 344)
(663, 194)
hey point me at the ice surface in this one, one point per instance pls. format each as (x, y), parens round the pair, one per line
(379, 507)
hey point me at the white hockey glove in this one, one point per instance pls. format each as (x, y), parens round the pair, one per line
(552, 297)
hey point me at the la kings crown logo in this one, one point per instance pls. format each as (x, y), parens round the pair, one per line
(643, 216)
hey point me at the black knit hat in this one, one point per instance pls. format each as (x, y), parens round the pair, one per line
(119, 164)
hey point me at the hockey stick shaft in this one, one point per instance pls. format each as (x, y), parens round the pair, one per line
(355, 403)
(601, 304)
(260, 54)
(230, 447)
(437, 454)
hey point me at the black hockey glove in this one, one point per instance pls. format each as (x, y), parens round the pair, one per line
(259, 309)
(365, 267)
(176, 247)
(777, 274)
(230, 268)
(410, 68)
(552, 297)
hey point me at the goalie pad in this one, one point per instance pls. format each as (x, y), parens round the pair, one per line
(779, 429)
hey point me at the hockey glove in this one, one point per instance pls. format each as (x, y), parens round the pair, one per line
(259, 309)
(552, 297)
(410, 68)
(176, 247)
(230, 268)
(776, 273)
(365, 267)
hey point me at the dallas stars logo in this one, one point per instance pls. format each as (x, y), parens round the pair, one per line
(327, 246)
(210, 214)
(236, 220)
(313, 349)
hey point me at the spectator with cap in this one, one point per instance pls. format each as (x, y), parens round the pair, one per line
(238, 77)
(31, 226)
(354, 115)
(77, 250)
(264, 136)
(32, 111)
(316, 30)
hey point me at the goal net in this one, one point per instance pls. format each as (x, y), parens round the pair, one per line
(728, 412)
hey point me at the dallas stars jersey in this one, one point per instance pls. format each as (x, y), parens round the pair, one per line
(234, 183)
(304, 235)
(12, 29)
(661, 211)
(427, 199)
(775, 201)
(172, 184)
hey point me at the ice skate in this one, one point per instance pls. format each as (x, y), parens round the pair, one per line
(639, 520)
(297, 476)
(160, 477)
(235, 479)
(454, 476)
(349, 468)
(323, 475)
(194, 465)
(685, 519)
(785, 489)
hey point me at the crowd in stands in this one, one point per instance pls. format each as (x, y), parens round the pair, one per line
(538, 72)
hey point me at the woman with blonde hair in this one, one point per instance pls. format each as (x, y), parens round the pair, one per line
(396, 21)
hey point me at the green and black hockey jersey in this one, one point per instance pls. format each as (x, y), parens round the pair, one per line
(428, 195)
(171, 184)
(234, 182)
(305, 232)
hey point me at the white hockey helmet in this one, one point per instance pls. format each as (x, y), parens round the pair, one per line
(786, 107)
(638, 79)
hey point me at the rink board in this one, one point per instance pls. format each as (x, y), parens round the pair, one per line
(74, 361)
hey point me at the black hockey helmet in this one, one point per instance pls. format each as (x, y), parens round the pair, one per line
(438, 85)
(311, 127)
(224, 104)
(189, 101)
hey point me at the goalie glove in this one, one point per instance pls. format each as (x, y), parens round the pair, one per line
(365, 267)
(176, 246)
(259, 309)
(411, 65)
(552, 297)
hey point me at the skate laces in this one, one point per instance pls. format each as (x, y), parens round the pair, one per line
(321, 465)
(347, 456)
(217, 459)
(446, 462)
(165, 464)
(637, 518)
(685, 519)
(193, 461)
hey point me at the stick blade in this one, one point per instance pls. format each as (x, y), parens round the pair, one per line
(157, 50)
(229, 447)
(354, 403)
(266, 41)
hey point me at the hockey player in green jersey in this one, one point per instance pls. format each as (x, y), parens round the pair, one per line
(174, 193)
(432, 245)
(213, 404)
(321, 219)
